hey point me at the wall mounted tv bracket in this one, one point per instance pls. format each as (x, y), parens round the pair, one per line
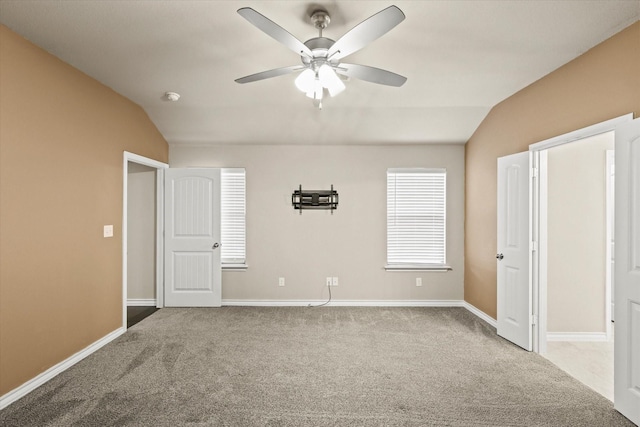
(315, 199)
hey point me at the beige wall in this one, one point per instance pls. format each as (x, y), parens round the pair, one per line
(62, 137)
(601, 84)
(141, 232)
(576, 221)
(351, 243)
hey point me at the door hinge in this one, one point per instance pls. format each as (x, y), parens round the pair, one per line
(534, 172)
(534, 319)
(533, 246)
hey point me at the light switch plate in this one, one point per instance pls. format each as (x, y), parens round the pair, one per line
(108, 231)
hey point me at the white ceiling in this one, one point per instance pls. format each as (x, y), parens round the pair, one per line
(460, 57)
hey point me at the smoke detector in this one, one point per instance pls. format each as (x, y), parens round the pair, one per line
(171, 96)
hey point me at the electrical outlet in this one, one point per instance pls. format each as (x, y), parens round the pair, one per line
(418, 281)
(107, 231)
(281, 281)
(332, 281)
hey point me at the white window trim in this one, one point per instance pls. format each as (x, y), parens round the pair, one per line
(234, 267)
(238, 266)
(418, 267)
(406, 267)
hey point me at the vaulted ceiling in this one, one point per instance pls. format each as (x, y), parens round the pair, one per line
(460, 57)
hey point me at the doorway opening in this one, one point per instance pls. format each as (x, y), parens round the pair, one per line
(573, 224)
(579, 338)
(142, 219)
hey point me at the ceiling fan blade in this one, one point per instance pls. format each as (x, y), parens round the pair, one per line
(365, 32)
(272, 29)
(270, 73)
(371, 74)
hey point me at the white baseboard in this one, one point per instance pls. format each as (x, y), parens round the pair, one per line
(36, 382)
(141, 302)
(361, 303)
(342, 303)
(481, 314)
(577, 336)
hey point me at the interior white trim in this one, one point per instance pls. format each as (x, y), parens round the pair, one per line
(160, 238)
(136, 158)
(481, 314)
(540, 263)
(442, 268)
(598, 128)
(361, 303)
(577, 336)
(234, 267)
(39, 380)
(141, 302)
(610, 207)
(343, 303)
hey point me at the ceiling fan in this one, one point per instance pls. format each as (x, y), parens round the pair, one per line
(321, 56)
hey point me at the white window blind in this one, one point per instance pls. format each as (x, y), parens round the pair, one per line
(416, 217)
(233, 211)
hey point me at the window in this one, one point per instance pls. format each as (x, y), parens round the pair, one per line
(416, 219)
(233, 223)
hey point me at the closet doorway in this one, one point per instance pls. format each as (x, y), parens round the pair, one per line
(142, 243)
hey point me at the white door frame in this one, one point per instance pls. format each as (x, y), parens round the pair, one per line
(539, 216)
(610, 253)
(159, 166)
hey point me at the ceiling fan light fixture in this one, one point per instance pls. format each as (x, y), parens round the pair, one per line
(313, 83)
(330, 80)
(315, 95)
(305, 81)
(317, 91)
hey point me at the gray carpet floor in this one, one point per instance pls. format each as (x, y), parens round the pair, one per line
(329, 366)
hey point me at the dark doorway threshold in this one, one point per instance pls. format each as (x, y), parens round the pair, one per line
(136, 313)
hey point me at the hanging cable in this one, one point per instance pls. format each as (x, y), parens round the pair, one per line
(324, 303)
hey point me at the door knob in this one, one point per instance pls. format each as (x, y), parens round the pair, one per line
(499, 256)
(215, 245)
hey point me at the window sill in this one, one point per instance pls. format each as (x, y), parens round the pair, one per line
(418, 267)
(234, 267)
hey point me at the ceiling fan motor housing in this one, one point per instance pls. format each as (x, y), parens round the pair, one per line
(319, 47)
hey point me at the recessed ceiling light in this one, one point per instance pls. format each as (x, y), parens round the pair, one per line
(171, 96)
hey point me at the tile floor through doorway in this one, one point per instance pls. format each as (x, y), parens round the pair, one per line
(588, 362)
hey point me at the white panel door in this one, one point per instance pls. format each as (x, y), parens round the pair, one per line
(627, 277)
(192, 238)
(513, 255)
